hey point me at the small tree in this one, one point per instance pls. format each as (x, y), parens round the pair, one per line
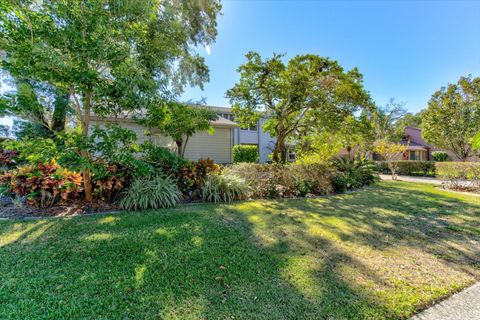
(390, 151)
(179, 122)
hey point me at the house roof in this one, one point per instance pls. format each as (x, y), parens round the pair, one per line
(220, 122)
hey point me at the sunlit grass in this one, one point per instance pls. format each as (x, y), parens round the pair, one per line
(384, 252)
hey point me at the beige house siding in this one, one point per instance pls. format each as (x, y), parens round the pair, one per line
(217, 146)
(201, 145)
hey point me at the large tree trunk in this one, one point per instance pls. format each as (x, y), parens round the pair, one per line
(280, 150)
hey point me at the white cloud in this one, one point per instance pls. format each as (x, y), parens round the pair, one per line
(207, 49)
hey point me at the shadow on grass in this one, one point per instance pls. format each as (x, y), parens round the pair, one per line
(264, 260)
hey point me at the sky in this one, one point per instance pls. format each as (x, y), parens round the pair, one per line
(405, 50)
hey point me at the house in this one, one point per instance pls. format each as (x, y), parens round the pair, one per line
(417, 147)
(201, 145)
(252, 135)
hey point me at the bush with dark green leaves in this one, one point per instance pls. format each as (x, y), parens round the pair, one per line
(245, 153)
(409, 167)
(459, 175)
(154, 193)
(162, 159)
(439, 156)
(353, 174)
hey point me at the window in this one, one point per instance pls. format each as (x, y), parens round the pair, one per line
(291, 155)
(416, 155)
(249, 128)
(228, 116)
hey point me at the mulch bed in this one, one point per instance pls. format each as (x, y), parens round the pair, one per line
(9, 210)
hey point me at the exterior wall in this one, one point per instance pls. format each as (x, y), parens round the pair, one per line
(217, 146)
(265, 143)
(415, 135)
(201, 145)
(258, 137)
(248, 136)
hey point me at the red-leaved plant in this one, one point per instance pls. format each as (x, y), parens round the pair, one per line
(44, 184)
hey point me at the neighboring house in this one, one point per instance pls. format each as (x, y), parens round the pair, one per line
(201, 145)
(417, 147)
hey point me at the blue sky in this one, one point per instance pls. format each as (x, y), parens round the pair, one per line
(406, 50)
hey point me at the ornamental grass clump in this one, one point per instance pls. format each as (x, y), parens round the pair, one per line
(158, 192)
(224, 188)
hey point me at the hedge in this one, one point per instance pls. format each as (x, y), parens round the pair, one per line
(459, 175)
(439, 156)
(245, 153)
(277, 180)
(410, 167)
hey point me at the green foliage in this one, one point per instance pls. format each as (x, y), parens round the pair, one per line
(162, 159)
(33, 150)
(179, 121)
(353, 174)
(455, 174)
(43, 185)
(278, 180)
(452, 117)
(109, 57)
(439, 156)
(157, 192)
(245, 153)
(224, 188)
(387, 119)
(308, 92)
(409, 167)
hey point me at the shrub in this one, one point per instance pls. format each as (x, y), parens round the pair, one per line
(245, 153)
(352, 174)
(43, 185)
(224, 188)
(439, 156)
(158, 192)
(277, 180)
(162, 159)
(459, 175)
(109, 180)
(409, 167)
(192, 176)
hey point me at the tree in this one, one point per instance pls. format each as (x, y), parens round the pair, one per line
(390, 151)
(408, 120)
(109, 56)
(308, 92)
(452, 117)
(179, 121)
(386, 120)
(43, 109)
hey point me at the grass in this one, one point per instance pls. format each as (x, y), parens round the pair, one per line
(385, 252)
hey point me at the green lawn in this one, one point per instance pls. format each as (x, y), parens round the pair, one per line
(384, 252)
